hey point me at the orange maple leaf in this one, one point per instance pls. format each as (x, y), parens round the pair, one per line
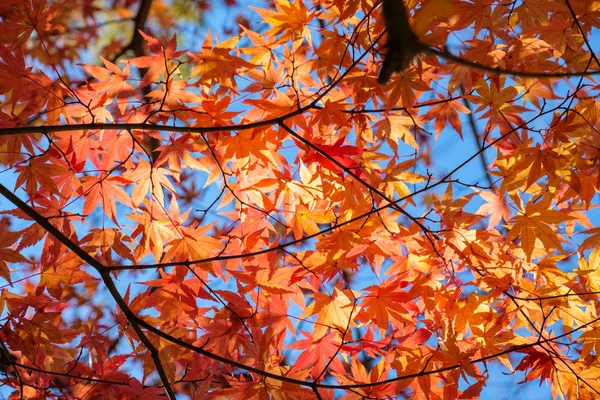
(148, 177)
(534, 223)
(318, 353)
(113, 81)
(7, 254)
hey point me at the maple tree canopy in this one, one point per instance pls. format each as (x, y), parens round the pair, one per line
(249, 214)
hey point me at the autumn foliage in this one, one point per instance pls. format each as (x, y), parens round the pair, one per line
(249, 214)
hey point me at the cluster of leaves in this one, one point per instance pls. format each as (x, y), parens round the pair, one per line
(256, 216)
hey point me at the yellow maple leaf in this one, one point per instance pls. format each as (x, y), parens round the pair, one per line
(533, 224)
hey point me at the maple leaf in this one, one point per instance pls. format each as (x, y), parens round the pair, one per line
(491, 97)
(537, 364)
(332, 310)
(289, 19)
(397, 128)
(499, 102)
(175, 296)
(447, 112)
(305, 221)
(7, 254)
(260, 54)
(216, 112)
(533, 224)
(155, 230)
(148, 178)
(591, 341)
(474, 11)
(589, 270)
(385, 304)
(344, 154)
(27, 18)
(38, 175)
(113, 81)
(104, 192)
(173, 95)
(470, 313)
(108, 240)
(63, 272)
(215, 63)
(318, 353)
(243, 145)
(194, 245)
(136, 389)
(397, 176)
(178, 153)
(163, 62)
(538, 161)
(94, 109)
(271, 281)
(534, 90)
(273, 108)
(436, 10)
(407, 88)
(30, 236)
(496, 207)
